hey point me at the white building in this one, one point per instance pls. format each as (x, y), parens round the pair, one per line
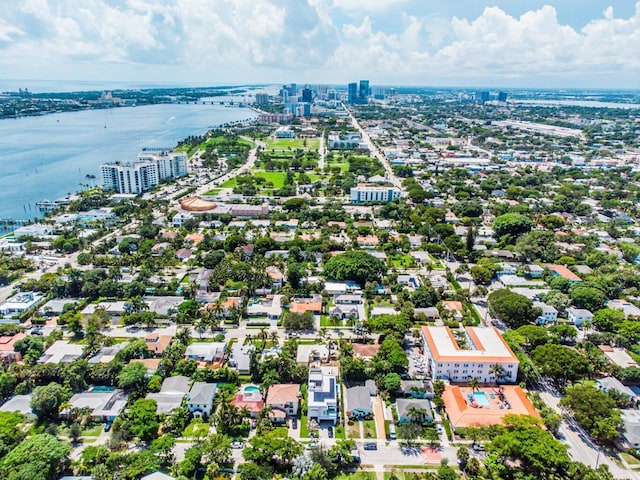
(170, 164)
(450, 359)
(284, 132)
(549, 313)
(145, 173)
(322, 394)
(200, 398)
(19, 303)
(368, 193)
(578, 316)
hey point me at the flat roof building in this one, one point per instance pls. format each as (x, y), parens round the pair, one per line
(373, 194)
(460, 360)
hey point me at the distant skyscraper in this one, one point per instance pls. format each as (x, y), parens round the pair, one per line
(482, 97)
(307, 95)
(364, 89)
(262, 98)
(502, 96)
(353, 93)
(293, 89)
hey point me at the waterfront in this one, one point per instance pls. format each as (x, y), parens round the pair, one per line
(49, 156)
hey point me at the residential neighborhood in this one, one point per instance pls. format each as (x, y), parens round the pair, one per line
(405, 287)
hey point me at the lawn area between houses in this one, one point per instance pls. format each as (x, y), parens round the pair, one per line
(196, 429)
(369, 429)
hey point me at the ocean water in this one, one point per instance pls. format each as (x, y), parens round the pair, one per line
(49, 156)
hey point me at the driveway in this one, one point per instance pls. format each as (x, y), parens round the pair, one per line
(378, 415)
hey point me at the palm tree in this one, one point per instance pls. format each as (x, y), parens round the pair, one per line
(474, 384)
(262, 336)
(416, 414)
(498, 371)
(274, 338)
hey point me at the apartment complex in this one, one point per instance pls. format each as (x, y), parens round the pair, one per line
(151, 167)
(373, 194)
(474, 354)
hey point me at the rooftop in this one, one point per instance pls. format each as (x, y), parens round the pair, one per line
(463, 414)
(485, 344)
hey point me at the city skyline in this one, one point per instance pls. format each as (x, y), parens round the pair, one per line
(552, 44)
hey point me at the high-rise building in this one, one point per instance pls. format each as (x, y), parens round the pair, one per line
(502, 96)
(352, 96)
(262, 99)
(145, 173)
(307, 95)
(364, 89)
(482, 96)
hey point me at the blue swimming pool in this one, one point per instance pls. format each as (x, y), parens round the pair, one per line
(251, 388)
(481, 399)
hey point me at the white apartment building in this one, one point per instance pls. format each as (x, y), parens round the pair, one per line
(145, 173)
(374, 194)
(322, 395)
(482, 349)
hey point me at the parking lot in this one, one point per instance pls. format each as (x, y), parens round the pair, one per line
(417, 365)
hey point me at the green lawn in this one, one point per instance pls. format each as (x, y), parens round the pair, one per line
(213, 192)
(92, 431)
(292, 143)
(304, 427)
(196, 429)
(357, 476)
(230, 183)
(277, 178)
(369, 429)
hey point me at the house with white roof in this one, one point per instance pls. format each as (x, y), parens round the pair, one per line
(20, 303)
(549, 313)
(578, 316)
(449, 358)
(200, 398)
(61, 352)
(209, 352)
(170, 396)
(322, 395)
(628, 308)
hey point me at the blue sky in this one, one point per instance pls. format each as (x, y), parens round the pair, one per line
(503, 43)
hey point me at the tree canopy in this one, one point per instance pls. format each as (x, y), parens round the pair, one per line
(512, 308)
(355, 265)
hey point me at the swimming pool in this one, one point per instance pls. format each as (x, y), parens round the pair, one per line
(251, 388)
(481, 399)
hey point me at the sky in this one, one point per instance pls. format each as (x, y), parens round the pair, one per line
(488, 43)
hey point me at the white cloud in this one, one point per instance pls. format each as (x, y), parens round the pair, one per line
(324, 40)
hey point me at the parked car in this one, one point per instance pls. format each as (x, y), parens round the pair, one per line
(370, 446)
(294, 423)
(236, 444)
(107, 426)
(330, 432)
(36, 331)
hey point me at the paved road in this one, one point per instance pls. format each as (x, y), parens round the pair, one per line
(395, 181)
(581, 448)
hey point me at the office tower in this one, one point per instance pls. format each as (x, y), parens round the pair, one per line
(307, 95)
(482, 96)
(364, 89)
(353, 93)
(502, 96)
